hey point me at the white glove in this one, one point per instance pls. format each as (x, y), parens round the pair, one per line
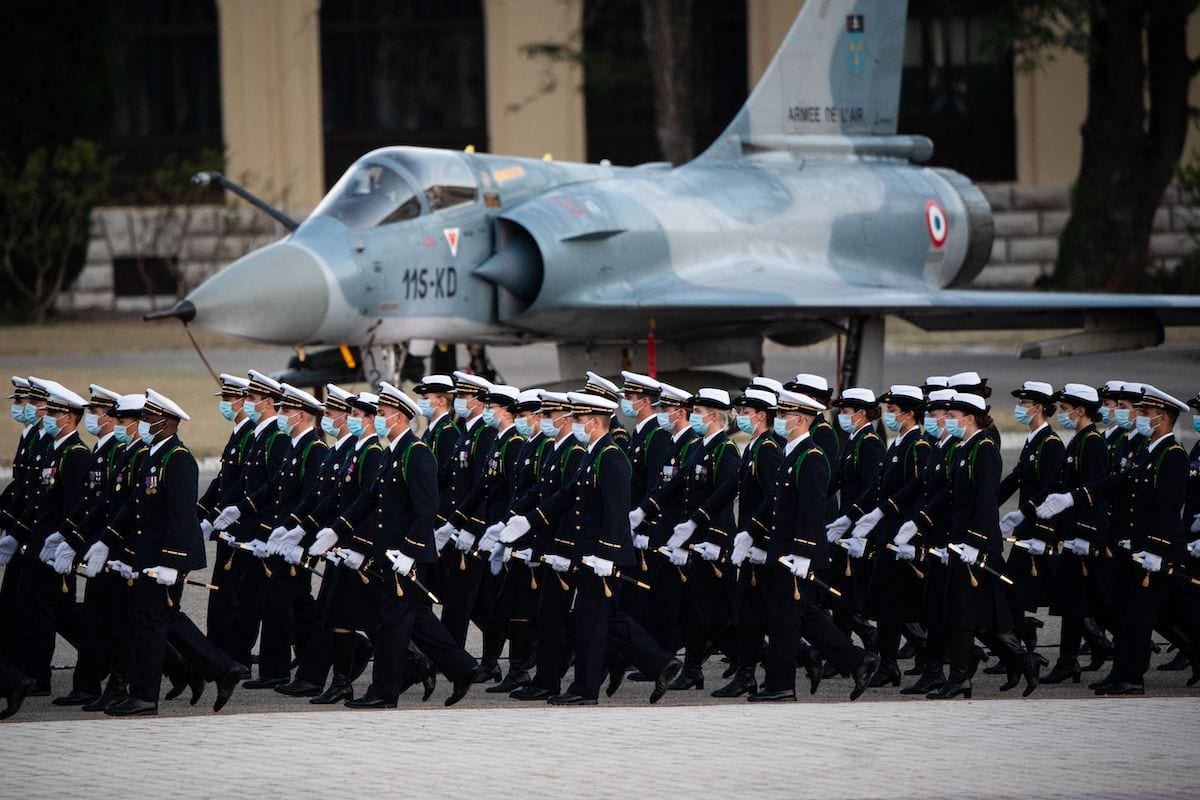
(835, 529)
(906, 552)
(1010, 521)
(95, 557)
(708, 551)
(354, 559)
(228, 516)
(206, 529)
(499, 555)
(227, 538)
(866, 523)
(162, 575)
(558, 563)
(641, 541)
(798, 565)
(855, 547)
(942, 554)
(401, 564)
(741, 547)
(442, 535)
(1195, 528)
(326, 538)
(1036, 547)
(758, 555)
(334, 557)
(683, 532)
(1151, 562)
(678, 556)
(1080, 547)
(1054, 505)
(122, 569)
(1194, 548)
(489, 542)
(525, 555)
(906, 533)
(966, 552)
(274, 540)
(463, 540)
(8, 546)
(49, 547)
(514, 529)
(601, 566)
(1125, 544)
(636, 517)
(258, 548)
(64, 559)
(292, 553)
(291, 539)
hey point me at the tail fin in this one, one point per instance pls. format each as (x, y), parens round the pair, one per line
(836, 73)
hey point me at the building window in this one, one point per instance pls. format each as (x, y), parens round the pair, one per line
(168, 104)
(619, 96)
(407, 73)
(958, 92)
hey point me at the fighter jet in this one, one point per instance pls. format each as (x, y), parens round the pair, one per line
(807, 217)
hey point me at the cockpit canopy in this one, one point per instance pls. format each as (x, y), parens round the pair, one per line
(398, 183)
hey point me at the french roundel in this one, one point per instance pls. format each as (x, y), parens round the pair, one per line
(935, 220)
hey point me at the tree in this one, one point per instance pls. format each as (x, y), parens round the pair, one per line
(1139, 74)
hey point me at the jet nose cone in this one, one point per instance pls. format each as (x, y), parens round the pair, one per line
(278, 294)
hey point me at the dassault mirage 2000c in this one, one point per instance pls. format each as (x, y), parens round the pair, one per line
(808, 216)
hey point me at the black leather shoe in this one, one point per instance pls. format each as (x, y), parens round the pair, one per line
(1030, 668)
(616, 675)
(488, 673)
(264, 683)
(133, 707)
(299, 688)
(950, 690)
(370, 700)
(741, 684)
(669, 673)
(888, 672)
(1118, 688)
(75, 698)
(339, 691)
(1103, 682)
(16, 696)
(637, 676)
(531, 692)
(227, 683)
(461, 686)
(117, 691)
(511, 681)
(863, 673)
(814, 668)
(568, 699)
(1179, 662)
(772, 696)
(363, 651)
(1100, 656)
(928, 682)
(996, 669)
(688, 679)
(428, 684)
(1063, 668)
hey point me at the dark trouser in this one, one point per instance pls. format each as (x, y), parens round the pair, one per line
(662, 607)
(8, 601)
(248, 606)
(154, 617)
(287, 617)
(1145, 596)
(403, 613)
(555, 592)
(960, 651)
(45, 604)
(227, 573)
(10, 676)
(599, 625)
(461, 576)
(99, 624)
(791, 619)
(635, 603)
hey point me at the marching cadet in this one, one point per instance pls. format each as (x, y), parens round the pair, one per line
(603, 387)
(705, 608)
(45, 600)
(223, 491)
(821, 431)
(1037, 473)
(164, 543)
(435, 397)
(15, 686)
(1080, 575)
(387, 533)
(971, 383)
(287, 609)
(789, 537)
(553, 544)
(1155, 485)
(241, 522)
(895, 589)
(603, 544)
(854, 478)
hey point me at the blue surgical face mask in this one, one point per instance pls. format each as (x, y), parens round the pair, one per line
(1022, 414)
(955, 428)
(460, 406)
(1123, 420)
(328, 426)
(425, 406)
(1196, 422)
(31, 416)
(780, 427)
(18, 412)
(578, 432)
(744, 424)
(282, 423)
(144, 432)
(381, 427)
(627, 408)
(91, 423)
(846, 422)
(1065, 420)
(226, 409)
(121, 435)
(50, 425)
(932, 428)
(1105, 415)
(523, 426)
(489, 418)
(549, 428)
(697, 422)
(890, 421)
(354, 425)
(253, 414)
(1143, 426)
(664, 420)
